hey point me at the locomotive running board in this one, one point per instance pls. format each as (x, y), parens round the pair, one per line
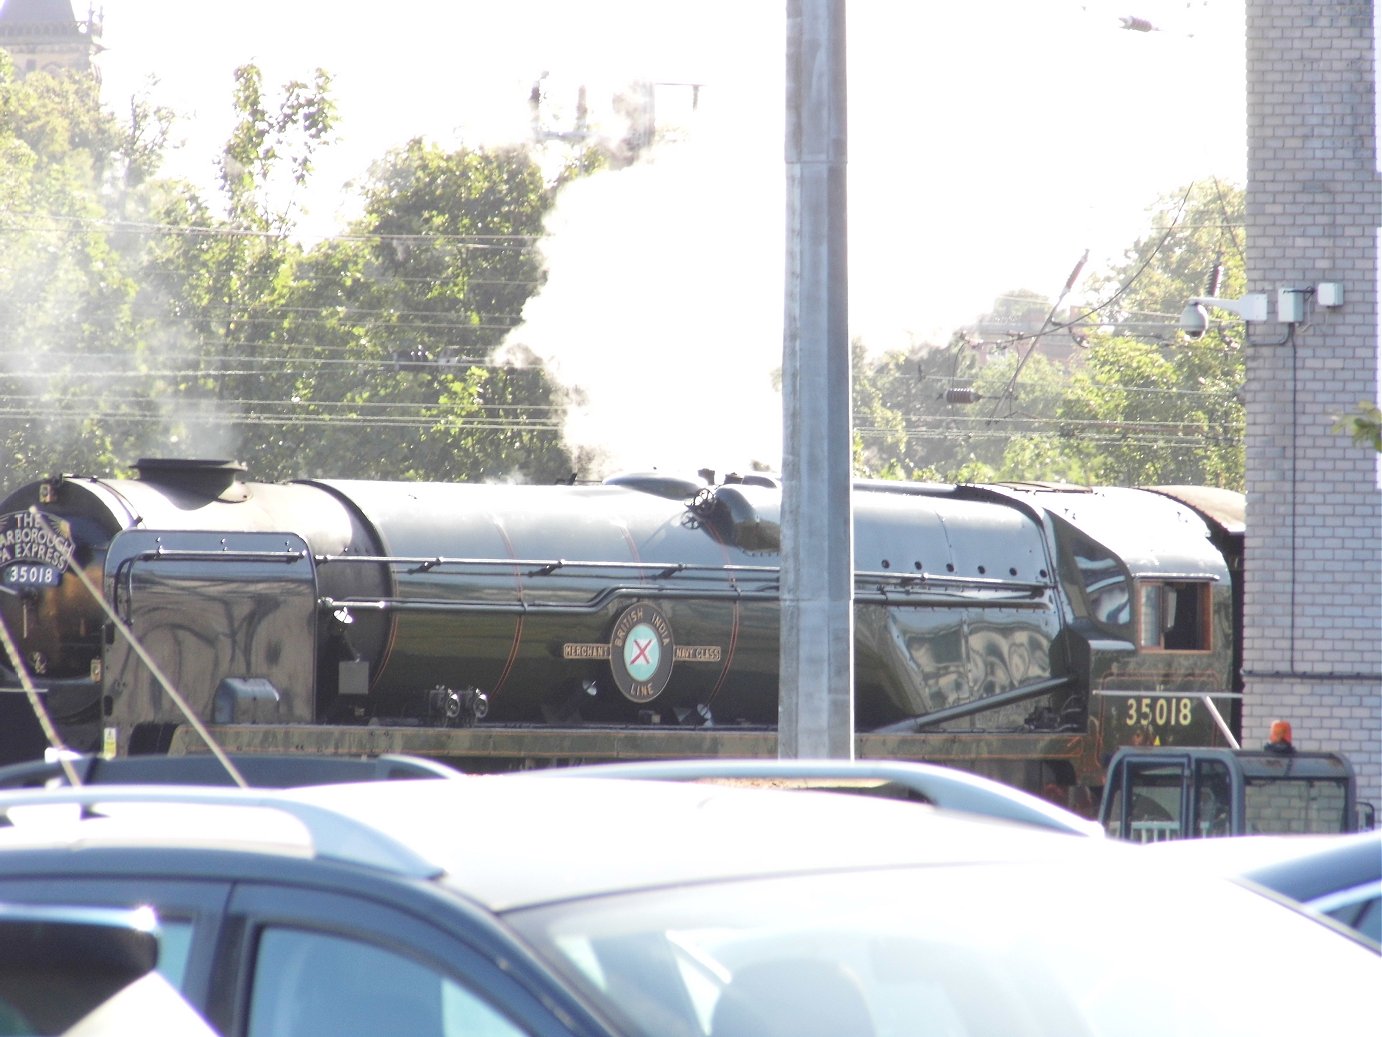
(506, 746)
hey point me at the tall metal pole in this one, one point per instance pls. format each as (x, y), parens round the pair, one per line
(816, 707)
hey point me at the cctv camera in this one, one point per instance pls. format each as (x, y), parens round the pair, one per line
(1194, 321)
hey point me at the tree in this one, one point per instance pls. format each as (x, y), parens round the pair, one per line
(1136, 402)
(70, 391)
(267, 147)
(1365, 425)
(1167, 408)
(428, 283)
(220, 336)
(962, 412)
(909, 424)
(226, 284)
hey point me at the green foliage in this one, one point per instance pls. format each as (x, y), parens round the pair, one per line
(1365, 425)
(263, 141)
(1134, 403)
(227, 381)
(446, 259)
(1136, 415)
(369, 355)
(1170, 405)
(140, 320)
(58, 117)
(65, 292)
(911, 430)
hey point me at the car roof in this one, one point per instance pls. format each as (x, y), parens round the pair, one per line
(1321, 872)
(496, 839)
(615, 834)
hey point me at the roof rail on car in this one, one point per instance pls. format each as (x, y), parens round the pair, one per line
(268, 770)
(944, 787)
(333, 836)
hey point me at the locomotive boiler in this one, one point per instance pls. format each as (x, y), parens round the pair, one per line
(1022, 631)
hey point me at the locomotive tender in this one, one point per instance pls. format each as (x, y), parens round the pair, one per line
(1020, 631)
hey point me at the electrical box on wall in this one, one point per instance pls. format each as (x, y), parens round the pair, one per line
(1290, 305)
(1330, 293)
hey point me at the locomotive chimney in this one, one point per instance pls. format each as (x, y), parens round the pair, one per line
(206, 478)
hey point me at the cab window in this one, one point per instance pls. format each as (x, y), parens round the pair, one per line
(1173, 616)
(1150, 794)
(1213, 798)
(1096, 581)
(1303, 806)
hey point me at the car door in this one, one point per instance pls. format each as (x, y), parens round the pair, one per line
(296, 962)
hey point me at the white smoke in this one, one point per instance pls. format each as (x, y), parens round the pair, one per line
(663, 308)
(989, 146)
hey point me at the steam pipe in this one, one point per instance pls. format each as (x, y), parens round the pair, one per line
(967, 709)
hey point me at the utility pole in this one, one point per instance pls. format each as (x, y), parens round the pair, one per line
(816, 704)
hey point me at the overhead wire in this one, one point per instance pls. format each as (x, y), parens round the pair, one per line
(1228, 225)
(66, 223)
(375, 422)
(475, 240)
(413, 321)
(1050, 326)
(1088, 430)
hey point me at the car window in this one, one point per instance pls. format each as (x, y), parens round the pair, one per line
(308, 982)
(174, 948)
(59, 964)
(188, 913)
(1359, 908)
(942, 951)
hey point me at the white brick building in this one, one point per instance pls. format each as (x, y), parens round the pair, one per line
(1313, 650)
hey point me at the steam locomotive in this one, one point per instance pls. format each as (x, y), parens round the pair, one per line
(1023, 631)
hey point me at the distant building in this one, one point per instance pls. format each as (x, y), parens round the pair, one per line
(45, 36)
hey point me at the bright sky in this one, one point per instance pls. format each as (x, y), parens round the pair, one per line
(990, 144)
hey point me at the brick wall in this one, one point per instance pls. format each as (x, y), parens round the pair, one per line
(1313, 623)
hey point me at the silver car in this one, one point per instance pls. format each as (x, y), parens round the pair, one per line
(557, 905)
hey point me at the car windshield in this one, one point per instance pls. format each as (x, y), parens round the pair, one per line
(943, 950)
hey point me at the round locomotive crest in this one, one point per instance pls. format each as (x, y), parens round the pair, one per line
(641, 652)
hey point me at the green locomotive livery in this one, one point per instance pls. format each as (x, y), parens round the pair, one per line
(1021, 631)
